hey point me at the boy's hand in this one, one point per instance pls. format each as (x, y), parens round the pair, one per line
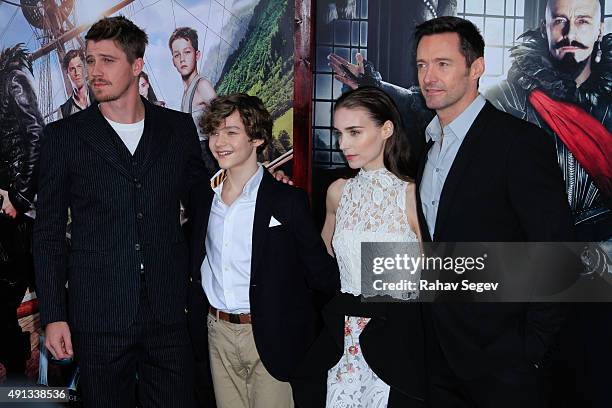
(7, 206)
(280, 175)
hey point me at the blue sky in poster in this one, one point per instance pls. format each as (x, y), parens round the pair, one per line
(220, 25)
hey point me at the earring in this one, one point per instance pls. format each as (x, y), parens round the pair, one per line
(598, 52)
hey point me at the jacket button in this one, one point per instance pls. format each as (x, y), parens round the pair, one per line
(186, 310)
(137, 247)
(139, 216)
(190, 279)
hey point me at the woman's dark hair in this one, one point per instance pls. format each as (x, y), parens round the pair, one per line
(151, 97)
(381, 108)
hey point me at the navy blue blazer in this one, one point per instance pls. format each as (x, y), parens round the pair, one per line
(292, 275)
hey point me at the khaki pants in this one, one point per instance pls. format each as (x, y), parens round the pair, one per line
(239, 377)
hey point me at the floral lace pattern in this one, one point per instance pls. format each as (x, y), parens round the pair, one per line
(351, 383)
(372, 209)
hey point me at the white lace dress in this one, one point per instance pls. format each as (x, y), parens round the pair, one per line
(372, 209)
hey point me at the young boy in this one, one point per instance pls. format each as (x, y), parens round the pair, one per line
(197, 90)
(259, 257)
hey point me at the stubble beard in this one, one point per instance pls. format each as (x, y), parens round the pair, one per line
(111, 96)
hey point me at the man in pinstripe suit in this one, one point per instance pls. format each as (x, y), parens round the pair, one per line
(121, 166)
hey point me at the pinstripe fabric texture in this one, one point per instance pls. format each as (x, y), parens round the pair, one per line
(125, 219)
(148, 362)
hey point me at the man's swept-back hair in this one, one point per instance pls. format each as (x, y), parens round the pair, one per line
(70, 55)
(186, 33)
(379, 106)
(255, 117)
(471, 41)
(127, 35)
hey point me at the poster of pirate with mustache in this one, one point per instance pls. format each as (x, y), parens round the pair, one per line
(560, 79)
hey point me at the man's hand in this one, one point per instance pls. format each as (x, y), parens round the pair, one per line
(346, 72)
(280, 175)
(7, 206)
(58, 341)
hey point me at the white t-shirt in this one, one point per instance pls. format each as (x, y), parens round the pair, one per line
(130, 133)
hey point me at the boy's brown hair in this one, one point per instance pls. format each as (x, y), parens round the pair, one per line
(186, 33)
(255, 117)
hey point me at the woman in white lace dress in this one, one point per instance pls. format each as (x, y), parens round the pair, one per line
(377, 205)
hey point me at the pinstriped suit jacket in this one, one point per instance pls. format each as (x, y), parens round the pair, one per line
(125, 213)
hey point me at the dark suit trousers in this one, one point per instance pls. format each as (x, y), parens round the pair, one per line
(525, 388)
(148, 362)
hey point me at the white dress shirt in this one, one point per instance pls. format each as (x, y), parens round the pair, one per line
(226, 270)
(441, 156)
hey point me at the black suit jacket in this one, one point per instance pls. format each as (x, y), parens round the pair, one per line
(125, 213)
(392, 344)
(504, 185)
(292, 275)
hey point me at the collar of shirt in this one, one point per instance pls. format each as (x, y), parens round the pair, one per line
(250, 188)
(74, 97)
(459, 126)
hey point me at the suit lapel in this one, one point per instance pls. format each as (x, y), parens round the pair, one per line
(261, 222)
(99, 134)
(425, 234)
(155, 136)
(460, 164)
(201, 227)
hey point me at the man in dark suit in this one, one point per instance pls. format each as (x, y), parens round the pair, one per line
(260, 260)
(121, 166)
(485, 177)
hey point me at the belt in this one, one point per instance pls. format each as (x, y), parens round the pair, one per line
(241, 318)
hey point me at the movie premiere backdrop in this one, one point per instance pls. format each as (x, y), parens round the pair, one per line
(244, 46)
(522, 77)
